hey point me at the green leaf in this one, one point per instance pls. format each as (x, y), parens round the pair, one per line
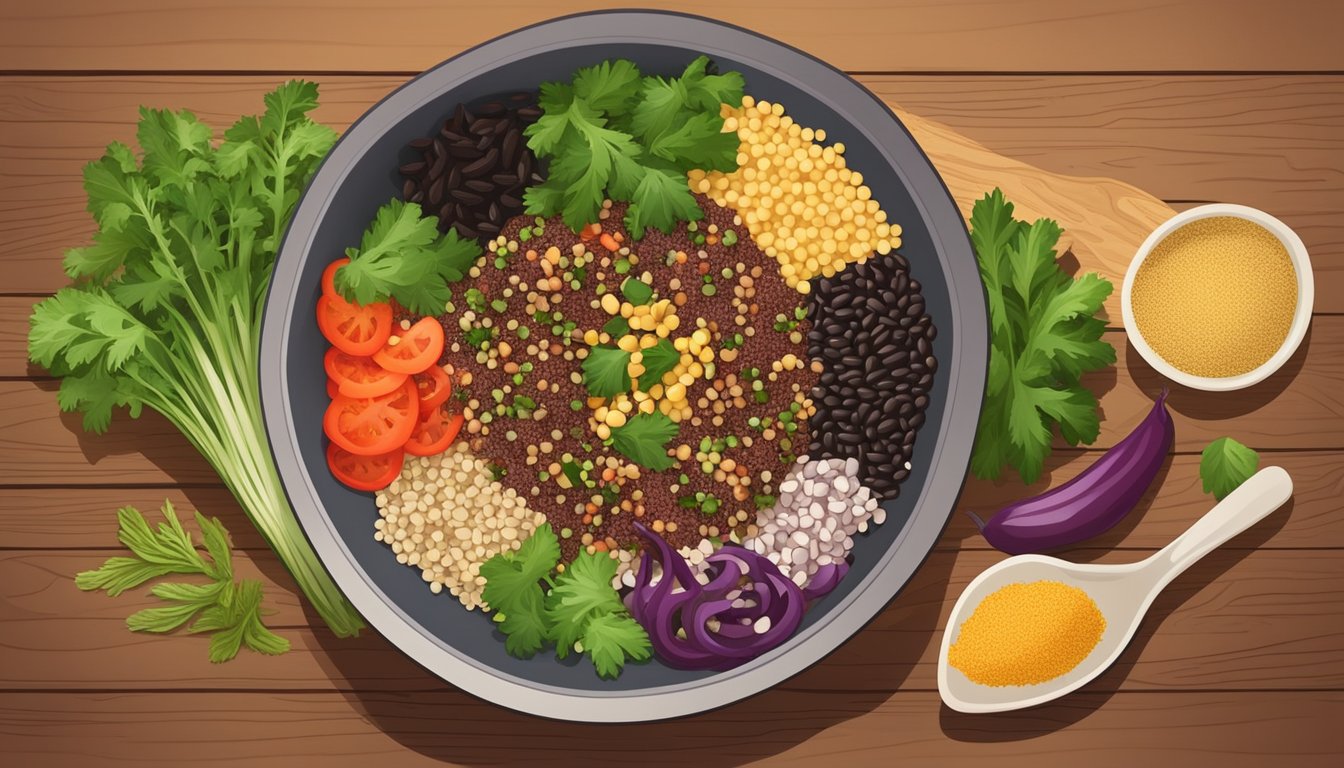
(582, 592)
(636, 291)
(611, 86)
(1044, 336)
(1226, 464)
(402, 256)
(661, 201)
(658, 360)
(513, 591)
(643, 439)
(610, 639)
(605, 371)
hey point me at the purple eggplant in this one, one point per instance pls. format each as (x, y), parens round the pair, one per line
(1092, 502)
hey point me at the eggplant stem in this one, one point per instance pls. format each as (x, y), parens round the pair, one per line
(980, 524)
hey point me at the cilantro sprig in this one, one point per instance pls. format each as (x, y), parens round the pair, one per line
(229, 609)
(402, 256)
(611, 132)
(1044, 336)
(577, 610)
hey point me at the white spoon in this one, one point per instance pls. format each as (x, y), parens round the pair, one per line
(1122, 593)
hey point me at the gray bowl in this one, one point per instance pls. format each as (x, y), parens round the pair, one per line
(360, 175)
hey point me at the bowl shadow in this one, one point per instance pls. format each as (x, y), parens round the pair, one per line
(446, 724)
(1048, 718)
(1202, 405)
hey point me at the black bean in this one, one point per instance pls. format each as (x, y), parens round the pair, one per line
(477, 185)
(504, 179)
(467, 198)
(436, 192)
(481, 166)
(509, 201)
(412, 169)
(408, 188)
(488, 228)
(422, 143)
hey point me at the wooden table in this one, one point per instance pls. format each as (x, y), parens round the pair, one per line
(1241, 662)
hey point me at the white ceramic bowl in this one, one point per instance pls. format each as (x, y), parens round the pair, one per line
(1306, 292)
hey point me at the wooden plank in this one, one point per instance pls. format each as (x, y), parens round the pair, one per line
(82, 518)
(869, 35)
(1271, 142)
(1240, 619)
(1295, 409)
(787, 728)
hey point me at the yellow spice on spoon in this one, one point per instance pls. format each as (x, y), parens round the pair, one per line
(1216, 297)
(1028, 633)
(800, 202)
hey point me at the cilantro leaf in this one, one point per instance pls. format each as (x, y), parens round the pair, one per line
(611, 86)
(658, 360)
(1226, 464)
(605, 371)
(660, 201)
(643, 440)
(513, 591)
(612, 638)
(612, 133)
(1044, 335)
(402, 256)
(583, 591)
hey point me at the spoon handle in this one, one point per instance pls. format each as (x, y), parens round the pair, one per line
(1250, 503)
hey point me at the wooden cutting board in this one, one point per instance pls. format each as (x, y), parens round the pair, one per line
(1104, 220)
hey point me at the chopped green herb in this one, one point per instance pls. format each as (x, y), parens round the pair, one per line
(621, 266)
(729, 238)
(499, 305)
(658, 360)
(636, 291)
(643, 439)
(605, 371)
(475, 300)
(616, 327)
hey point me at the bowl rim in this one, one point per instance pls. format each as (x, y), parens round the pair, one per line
(1297, 330)
(965, 366)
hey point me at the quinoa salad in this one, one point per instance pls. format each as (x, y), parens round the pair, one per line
(671, 360)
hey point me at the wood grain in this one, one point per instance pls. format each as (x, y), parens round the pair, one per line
(1239, 619)
(82, 518)
(1080, 127)
(790, 728)
(1034, 35)
(1295, 409)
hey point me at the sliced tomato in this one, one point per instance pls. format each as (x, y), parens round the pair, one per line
(415, 350)
(435, 387)
(355, 329)
(332, 389)
(368, 426)
(358, 376)
(329, 277)
(435, 430)
(364, 473)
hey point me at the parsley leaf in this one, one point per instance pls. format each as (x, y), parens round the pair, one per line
(232, 610)
(658, 360)
(643, 440)
(402, 256)
(605, 371)
(1226, 464)
(1044, 335)
(612, 638)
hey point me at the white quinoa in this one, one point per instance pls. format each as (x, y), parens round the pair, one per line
(447, 515)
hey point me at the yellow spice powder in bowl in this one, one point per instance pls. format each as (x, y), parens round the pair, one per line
(1218, 297)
